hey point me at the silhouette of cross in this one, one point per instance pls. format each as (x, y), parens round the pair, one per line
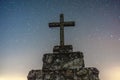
(61, 24)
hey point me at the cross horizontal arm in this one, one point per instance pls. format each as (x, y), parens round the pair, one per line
(57, 24)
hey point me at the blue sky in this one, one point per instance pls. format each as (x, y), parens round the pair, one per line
(25, 35)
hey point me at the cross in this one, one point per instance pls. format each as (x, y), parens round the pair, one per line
(61, 24)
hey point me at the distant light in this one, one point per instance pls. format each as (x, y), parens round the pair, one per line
(14, 77)
(113, 73)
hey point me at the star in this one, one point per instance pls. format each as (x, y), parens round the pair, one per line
(16, 40)
(28, 24)
(111, 36)
(119, 39)
(119, 17)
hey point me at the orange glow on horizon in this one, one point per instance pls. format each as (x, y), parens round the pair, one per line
(13, 77)
(112, 73)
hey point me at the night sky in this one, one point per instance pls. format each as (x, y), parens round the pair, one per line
(25, 35)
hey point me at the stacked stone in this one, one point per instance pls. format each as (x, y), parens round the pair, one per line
(67, 65)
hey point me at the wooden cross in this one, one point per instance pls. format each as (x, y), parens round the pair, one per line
(61, 24)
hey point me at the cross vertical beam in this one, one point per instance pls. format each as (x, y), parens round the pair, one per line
(61, 30)
(61, 24)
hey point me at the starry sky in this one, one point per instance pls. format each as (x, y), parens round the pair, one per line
(25, 35)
